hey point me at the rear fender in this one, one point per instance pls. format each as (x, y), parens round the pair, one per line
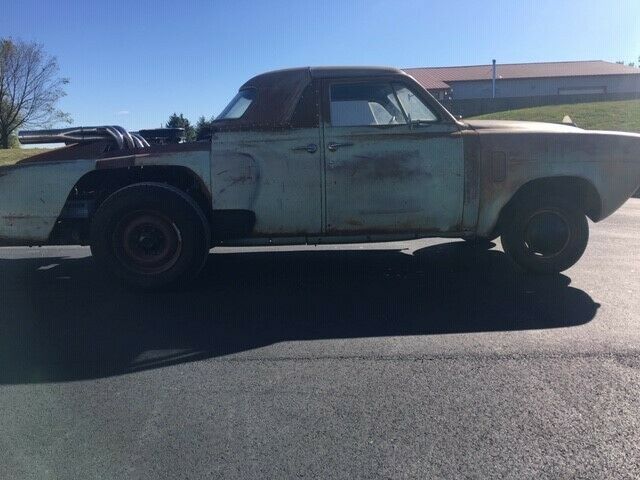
(32, 196)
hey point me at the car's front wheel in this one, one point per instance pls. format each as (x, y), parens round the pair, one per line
(545, 235)
(150, 235)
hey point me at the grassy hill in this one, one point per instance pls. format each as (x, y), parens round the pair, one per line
(620, 115)
(12, 155)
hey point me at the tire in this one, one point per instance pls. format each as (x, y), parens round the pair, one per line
(150, 236)
(545, 235)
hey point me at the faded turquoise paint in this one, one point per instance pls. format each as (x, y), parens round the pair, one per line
(272, 174)
(394, 178)
(197, 161)
(32, 197)
(387, 183)
(610, 161)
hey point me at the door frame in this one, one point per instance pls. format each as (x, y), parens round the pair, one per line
(445, 126)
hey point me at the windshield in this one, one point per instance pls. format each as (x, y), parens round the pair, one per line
(413, 106)
(238, 105)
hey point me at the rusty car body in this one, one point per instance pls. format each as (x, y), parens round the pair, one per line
(320, 155)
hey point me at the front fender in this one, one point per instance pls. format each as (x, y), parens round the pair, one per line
(610, 161)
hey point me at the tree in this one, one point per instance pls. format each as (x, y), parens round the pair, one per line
(29, 88)
(203, 127)
(179, 121)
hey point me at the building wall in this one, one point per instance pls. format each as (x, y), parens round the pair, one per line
(614, 84)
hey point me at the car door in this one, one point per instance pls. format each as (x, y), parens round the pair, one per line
(391, 164)
(276, 173)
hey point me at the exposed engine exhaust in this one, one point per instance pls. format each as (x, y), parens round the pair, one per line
(121, 138)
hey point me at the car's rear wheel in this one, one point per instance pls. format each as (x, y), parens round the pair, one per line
(150, 236)
(546, 235)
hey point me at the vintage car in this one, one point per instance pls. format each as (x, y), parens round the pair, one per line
(313, 156)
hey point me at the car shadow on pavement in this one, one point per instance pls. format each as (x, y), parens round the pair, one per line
(66, 322)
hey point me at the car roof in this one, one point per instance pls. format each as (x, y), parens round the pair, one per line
(320, 72)
(323, 72)
(280, 90)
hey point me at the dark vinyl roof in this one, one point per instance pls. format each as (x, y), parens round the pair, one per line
(279, 90)
(435, 78)
(319, 72)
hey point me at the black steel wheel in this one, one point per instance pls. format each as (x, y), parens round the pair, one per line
(150, 235)
(546, 235)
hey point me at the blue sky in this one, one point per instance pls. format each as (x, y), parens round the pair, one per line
(133, 63)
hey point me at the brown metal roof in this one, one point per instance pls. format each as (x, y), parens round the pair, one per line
(435, 78)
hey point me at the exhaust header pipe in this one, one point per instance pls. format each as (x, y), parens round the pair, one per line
(117, 135)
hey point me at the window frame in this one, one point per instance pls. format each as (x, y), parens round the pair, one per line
(389, 79)
(365, 82)
(229, 105)
(437, 119)
(314, 85)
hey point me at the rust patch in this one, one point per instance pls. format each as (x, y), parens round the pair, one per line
(116, 162)
(406, 226)
(236, 181)
(18, 217)
(76, 151)
(383, 166)
(498, 166)
(471, 167)
(240, 179)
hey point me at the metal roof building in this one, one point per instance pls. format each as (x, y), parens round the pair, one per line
(529, 79)
(542, 83)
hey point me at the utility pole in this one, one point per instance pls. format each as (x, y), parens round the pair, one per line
(494, 79)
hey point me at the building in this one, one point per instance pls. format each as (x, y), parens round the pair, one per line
(469, 90)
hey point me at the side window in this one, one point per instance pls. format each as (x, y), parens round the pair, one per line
(306, 113)
(360, 104)
(238, 105)
(413, 106)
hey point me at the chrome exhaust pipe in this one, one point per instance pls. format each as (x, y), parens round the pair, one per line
(142, 142)
(63, 135)
(117, 136)
(121, 137)
(127, 137)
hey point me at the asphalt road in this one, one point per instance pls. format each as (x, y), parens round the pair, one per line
(424, 359)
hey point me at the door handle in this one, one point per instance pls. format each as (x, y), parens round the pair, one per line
(311, 148)
(333, 146)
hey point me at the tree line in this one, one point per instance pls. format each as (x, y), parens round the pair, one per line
(200, 131)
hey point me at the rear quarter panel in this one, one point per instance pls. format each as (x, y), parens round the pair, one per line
(32, 196)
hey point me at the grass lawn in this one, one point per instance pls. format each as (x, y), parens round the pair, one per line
(12, 155)
(621, 116)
